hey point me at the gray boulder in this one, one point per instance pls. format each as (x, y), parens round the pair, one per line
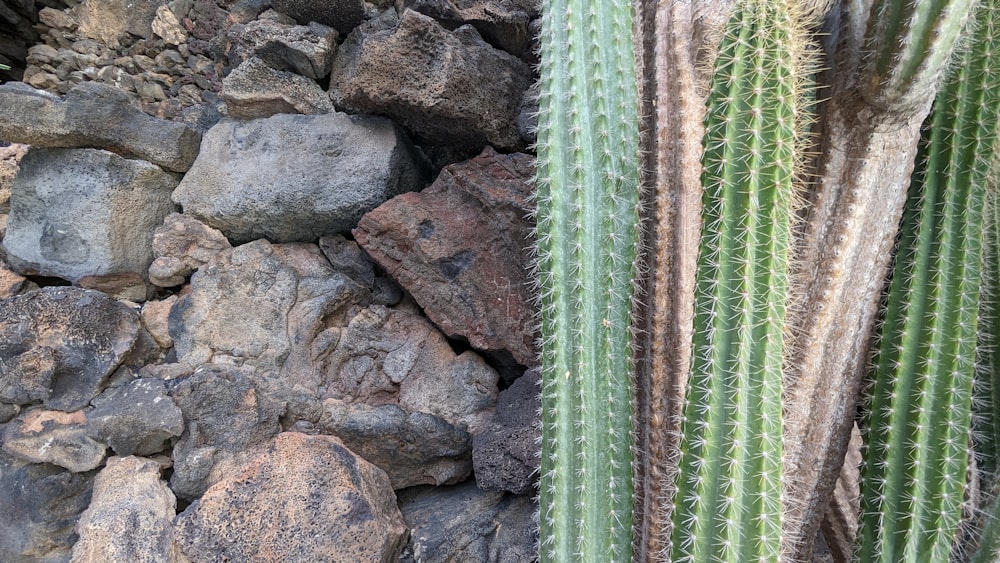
(255, 90)
(59, 345)
(297, 177)
(412, 448)
(306, 50)
(94, 115)
(130, 517)
(38, 435)
(305, 498)
(136, 418)
(464, 523)
(447, 87)
(85, 212)
(41, 505)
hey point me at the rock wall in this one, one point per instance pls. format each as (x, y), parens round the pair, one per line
(263, 282)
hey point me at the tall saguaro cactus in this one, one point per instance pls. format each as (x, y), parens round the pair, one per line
(917, 427)
(588, 198)
(728, 500)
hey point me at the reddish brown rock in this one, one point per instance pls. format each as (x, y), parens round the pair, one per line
(459, 247)
(307, 498)
(180, 246)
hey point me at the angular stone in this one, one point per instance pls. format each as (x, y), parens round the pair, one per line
(307, 498)
(463, 523)
(254, 90)
(448, 87)
(227, 419)
(342, 15)
(155, 318)
(306, 50)
(506, 453)
(59, 438)
(166, 26)
(85, 212)
(58, 345)
(386, 356)
(136, 418)
(297, 177)
(180, 246)
(108, 21)
(460, 247)
(413, 449)
(503, 23)
(10, 282)
(265, 307)
(94, 115)
(130, 517)
(41, 505)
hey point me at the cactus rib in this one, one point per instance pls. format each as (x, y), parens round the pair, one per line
(587, 231)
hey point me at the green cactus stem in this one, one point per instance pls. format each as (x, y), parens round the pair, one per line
(587, 232)
(728, 500)
(917, 425)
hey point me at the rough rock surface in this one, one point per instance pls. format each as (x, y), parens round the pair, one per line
(180, 246)
(136, 418)
(254, 90)
(506, 453)
(453, 89)
(59, 345)
(342, 15)
(412, 448)
(387, 356)
(306, 50)
(110, 20)
(130, 517)
(296, 177)
(10, 282)
(502, 23)
(227, 418)
(94, 115)
(44, 436)
(463, 523)
(264, 306)
(85, 212)
(307, 498)
(41, 504)
(460, 248)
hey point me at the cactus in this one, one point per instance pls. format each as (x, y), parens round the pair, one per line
(728, 499)
(587, 232)
(918, 420)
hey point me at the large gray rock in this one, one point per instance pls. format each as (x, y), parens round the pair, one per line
(306, 498)
(448, 87)
(58, 345)
(85, 212)
(130, 517)
(306, 50)
(136, 418)
(94, 115)
(412, 448)
(38, 435)
(464, 523)
(254, 90)
(41, 505)
(297, 177)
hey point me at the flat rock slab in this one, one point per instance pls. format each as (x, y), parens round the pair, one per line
(306, 498)
(130, 517)
(294, 178)
(58, 345)
(447, 87)
(77, 213)
(94, 115)
(460, 247)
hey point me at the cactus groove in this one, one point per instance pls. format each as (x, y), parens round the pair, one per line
(587, 230)
(728, 500)
(917, 422)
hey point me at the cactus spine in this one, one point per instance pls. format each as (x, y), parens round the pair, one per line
(917, 424)
(587, 231)
(728, 500)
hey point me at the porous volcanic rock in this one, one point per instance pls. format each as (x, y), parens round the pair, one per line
(254, 90)
(43, 436)
(94, 115)
(78, 213)
(342, 15)
(447, 87)
(460, 248)
(502, 23)
(506, 453)
(136, 418)
(304, 49)
(180, 246)
(294, 178)
(305, 498)
(60, 344)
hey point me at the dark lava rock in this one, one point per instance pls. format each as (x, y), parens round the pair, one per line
(505, 454)
(136, 418)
